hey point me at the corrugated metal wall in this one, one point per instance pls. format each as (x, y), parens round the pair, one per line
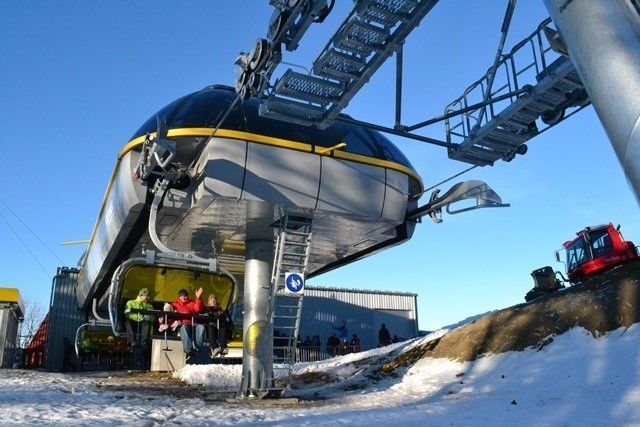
(64, 316)
(8, 334)
(363, 311)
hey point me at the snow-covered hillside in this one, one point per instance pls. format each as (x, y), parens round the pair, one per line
(577, 380)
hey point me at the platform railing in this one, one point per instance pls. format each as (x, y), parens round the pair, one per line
(516, 70)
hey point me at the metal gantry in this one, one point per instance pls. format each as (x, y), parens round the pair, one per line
(527, 90)
(366, 39)
(372, 32)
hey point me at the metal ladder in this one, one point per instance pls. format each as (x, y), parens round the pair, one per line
(372, 32)
(291, 256)
(488, 133)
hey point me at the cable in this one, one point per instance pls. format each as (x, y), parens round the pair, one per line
(31, 231)
(213, 133)
(23, 244)
(450, 178)
(233, 104)
(504, 30)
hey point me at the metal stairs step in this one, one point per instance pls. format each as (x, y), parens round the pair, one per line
(341, 66)
(308, 88)
(291, 111)
(361, 38)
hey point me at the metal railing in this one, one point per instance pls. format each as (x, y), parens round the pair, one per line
(526, 63)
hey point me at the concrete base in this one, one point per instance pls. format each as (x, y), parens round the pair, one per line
(167, 355)
(234, 353)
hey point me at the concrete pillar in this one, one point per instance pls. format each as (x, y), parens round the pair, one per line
(603, 41)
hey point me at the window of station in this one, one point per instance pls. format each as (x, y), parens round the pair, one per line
(151, 125)
(206, 109)
(261, 126)
(359, 140)
(370, 143)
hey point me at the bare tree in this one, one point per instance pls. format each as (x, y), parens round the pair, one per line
(34, 313)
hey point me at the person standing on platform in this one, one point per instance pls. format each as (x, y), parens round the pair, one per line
(384, 337)
(343, 336)
(67, 364)
(355, 344)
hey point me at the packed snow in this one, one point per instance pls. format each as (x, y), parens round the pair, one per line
(577, 380)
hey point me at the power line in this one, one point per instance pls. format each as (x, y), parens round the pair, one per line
(450, 178)
(13, 230)
(31, 231)
(25, 246)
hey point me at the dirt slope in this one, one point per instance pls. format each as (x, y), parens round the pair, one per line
(602, 304)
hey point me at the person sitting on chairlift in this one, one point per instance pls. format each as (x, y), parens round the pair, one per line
(220, 328)
(191, 333)
(138, 325)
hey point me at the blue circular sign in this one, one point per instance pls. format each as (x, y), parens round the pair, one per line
(294, 282)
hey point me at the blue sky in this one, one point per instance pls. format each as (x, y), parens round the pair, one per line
(78, 78)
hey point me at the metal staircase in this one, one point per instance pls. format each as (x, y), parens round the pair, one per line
(371, 33)
(291, 259)
(487, 133)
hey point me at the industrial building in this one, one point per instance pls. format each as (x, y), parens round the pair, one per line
(362, 310)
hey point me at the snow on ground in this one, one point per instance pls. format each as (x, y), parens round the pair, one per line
(577, 380)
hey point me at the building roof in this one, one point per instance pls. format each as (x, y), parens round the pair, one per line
(365, 291)
(12, 295)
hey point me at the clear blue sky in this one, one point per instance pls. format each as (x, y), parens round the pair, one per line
(78, 78)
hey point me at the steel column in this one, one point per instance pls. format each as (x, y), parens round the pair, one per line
(603, 41)
(257, 359)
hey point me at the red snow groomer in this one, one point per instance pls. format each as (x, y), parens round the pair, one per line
(595, 250)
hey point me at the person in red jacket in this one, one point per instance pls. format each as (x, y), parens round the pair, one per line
(191, 333)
